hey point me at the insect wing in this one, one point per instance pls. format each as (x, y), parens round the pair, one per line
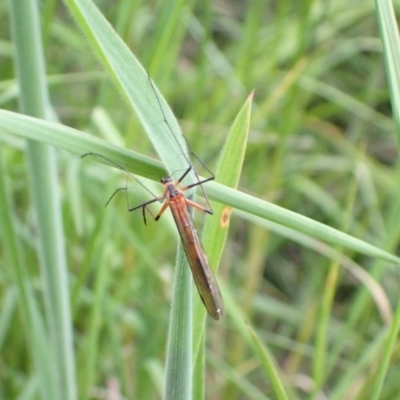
(202, 273)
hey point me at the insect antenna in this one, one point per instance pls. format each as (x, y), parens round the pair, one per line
(143, 205)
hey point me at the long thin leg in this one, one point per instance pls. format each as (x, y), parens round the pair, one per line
(199, 182)
(197, 158)
(122, 168)
(211, 178)
(161, 212)
(198, 206)
(165, 119)
(193, 184)
(159, 199)
(143, 205)
(187, 142)
(209, 210)
(177, 183)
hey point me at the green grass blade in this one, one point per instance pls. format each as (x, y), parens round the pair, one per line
(133, 81)
(269, 365)
(95, 325)
(153, 111)
(44, 187)
(227, 173)
(216, 227)
(80, 143)
(179, 366)
(169, 32)
(391, 45)
(295, 221)
(388, 353)
(391, 51)
(33, 323)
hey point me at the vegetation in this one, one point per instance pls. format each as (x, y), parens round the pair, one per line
(86, 290)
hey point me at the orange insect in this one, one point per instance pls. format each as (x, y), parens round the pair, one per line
(175, 199)
(203, 275)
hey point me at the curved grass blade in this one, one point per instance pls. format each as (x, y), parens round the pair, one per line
(76, 141)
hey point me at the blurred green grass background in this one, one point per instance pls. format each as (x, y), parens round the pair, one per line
(322, 143)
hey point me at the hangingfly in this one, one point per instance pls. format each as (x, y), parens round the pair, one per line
(175, 199)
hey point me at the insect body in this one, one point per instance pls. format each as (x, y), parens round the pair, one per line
(202, 273)
(175, 199)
